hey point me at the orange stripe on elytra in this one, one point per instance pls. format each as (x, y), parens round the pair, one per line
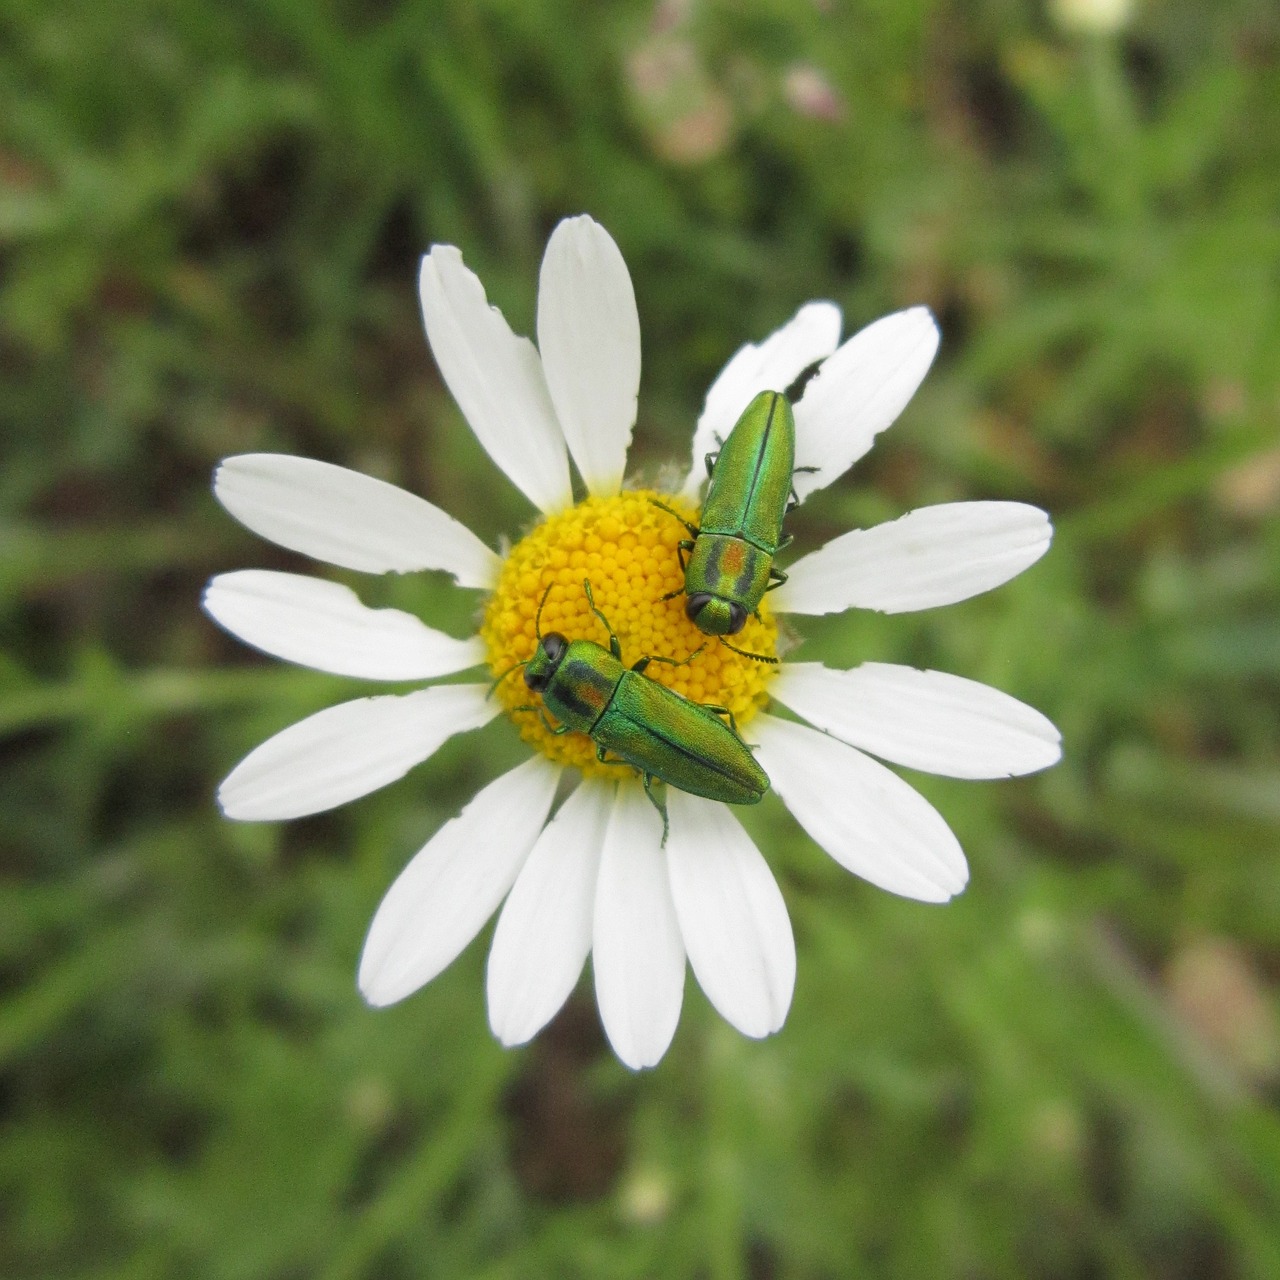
(733, 558)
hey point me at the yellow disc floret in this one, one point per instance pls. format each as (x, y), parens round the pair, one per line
(627, 549)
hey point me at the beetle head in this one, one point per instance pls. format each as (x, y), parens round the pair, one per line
(714, 615)
(542, 667)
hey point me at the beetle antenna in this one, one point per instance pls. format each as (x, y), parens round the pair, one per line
(515, 666)
(591, 602)
(755, 657)
(662, 506)
(537, 619)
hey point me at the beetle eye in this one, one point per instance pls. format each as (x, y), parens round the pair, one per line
(695, 604)
(737, 618)
(542, 666)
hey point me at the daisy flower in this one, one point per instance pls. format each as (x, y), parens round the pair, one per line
(593, 878)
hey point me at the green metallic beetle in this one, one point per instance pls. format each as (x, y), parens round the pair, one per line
(730, 554)
(643, 723)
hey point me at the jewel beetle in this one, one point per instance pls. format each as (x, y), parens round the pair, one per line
(729, 563)
(645, 725)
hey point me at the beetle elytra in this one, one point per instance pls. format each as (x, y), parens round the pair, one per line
(728, 558)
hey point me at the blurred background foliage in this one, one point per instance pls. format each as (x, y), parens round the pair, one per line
(210, 220)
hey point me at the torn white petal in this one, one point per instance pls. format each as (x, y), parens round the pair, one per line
(772, 365)
(858, 392)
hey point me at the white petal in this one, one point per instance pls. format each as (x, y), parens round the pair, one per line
(636, 950)
(543, 936)
(931, 556)
(589, 337)
(495, 377)
(349, 750)
(866, 818)
(810, 335)
(859, 392)
(349, 519)
(454, 883)
(922, 719)
(732, 917)
(323, 625)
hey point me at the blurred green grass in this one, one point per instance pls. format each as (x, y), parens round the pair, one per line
(210, 219)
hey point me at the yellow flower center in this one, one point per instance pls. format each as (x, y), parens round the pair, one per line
(627, 549)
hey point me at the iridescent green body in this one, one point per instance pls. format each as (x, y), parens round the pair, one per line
(730, 560)
(643, 723)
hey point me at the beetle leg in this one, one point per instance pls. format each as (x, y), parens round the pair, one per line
(710, 459)
(639, 665)
(660, 805)
(683, 547)
(746, 653)
(718, 710)
(733, 723)
(615, 647)
(626, 764)
(785, 543)
(542, 715)
(693, 528)
(793, 499)
(776, 578)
